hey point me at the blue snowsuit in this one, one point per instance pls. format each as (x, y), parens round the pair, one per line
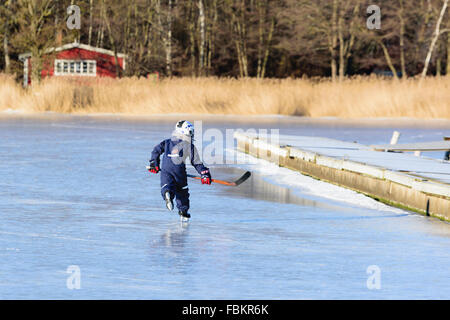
(173, 169)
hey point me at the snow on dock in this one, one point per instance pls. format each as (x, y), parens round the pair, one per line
(400, 162)
(401, 179)
(423, 146)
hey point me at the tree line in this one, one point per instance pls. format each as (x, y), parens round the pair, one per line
(238, 38)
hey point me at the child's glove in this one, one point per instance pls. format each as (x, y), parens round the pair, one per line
(153, 168)
(206, 177)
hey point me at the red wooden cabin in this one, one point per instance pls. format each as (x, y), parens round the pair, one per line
(75, 60)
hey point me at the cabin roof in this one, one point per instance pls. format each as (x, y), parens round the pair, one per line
(74, 45)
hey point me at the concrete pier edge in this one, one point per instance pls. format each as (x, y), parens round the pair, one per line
(402, 190)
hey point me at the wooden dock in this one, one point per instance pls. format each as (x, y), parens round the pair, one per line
(403, 180)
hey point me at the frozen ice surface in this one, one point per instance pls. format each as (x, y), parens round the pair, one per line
(74, 191)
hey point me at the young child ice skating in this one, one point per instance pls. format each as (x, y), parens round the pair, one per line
(173, 169)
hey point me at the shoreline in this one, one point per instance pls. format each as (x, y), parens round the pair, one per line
(375, 121)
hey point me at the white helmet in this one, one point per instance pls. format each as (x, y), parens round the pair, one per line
(185, 128)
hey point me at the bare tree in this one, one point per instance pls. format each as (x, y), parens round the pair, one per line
(402, 23)
(437, 33)
(6, 13)
(266, 28)
(389, 38)
(237, 11)
(201, 18)
(36, 30)
(346, 39)
(111, 35)
(165, 22)
(91, 9)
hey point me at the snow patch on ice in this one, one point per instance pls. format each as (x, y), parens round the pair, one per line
(308, 185)
(13, 111)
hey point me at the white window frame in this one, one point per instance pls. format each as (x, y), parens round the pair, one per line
(77, 65)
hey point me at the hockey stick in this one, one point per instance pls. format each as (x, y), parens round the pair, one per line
(239, 181)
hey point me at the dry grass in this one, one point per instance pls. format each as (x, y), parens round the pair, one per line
(10, 92)
(353, 98)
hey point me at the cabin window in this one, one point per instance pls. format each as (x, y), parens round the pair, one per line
(92, 67)
(75, 67)
(58, 67)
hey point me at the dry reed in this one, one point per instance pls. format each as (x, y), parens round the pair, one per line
(360, 97)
